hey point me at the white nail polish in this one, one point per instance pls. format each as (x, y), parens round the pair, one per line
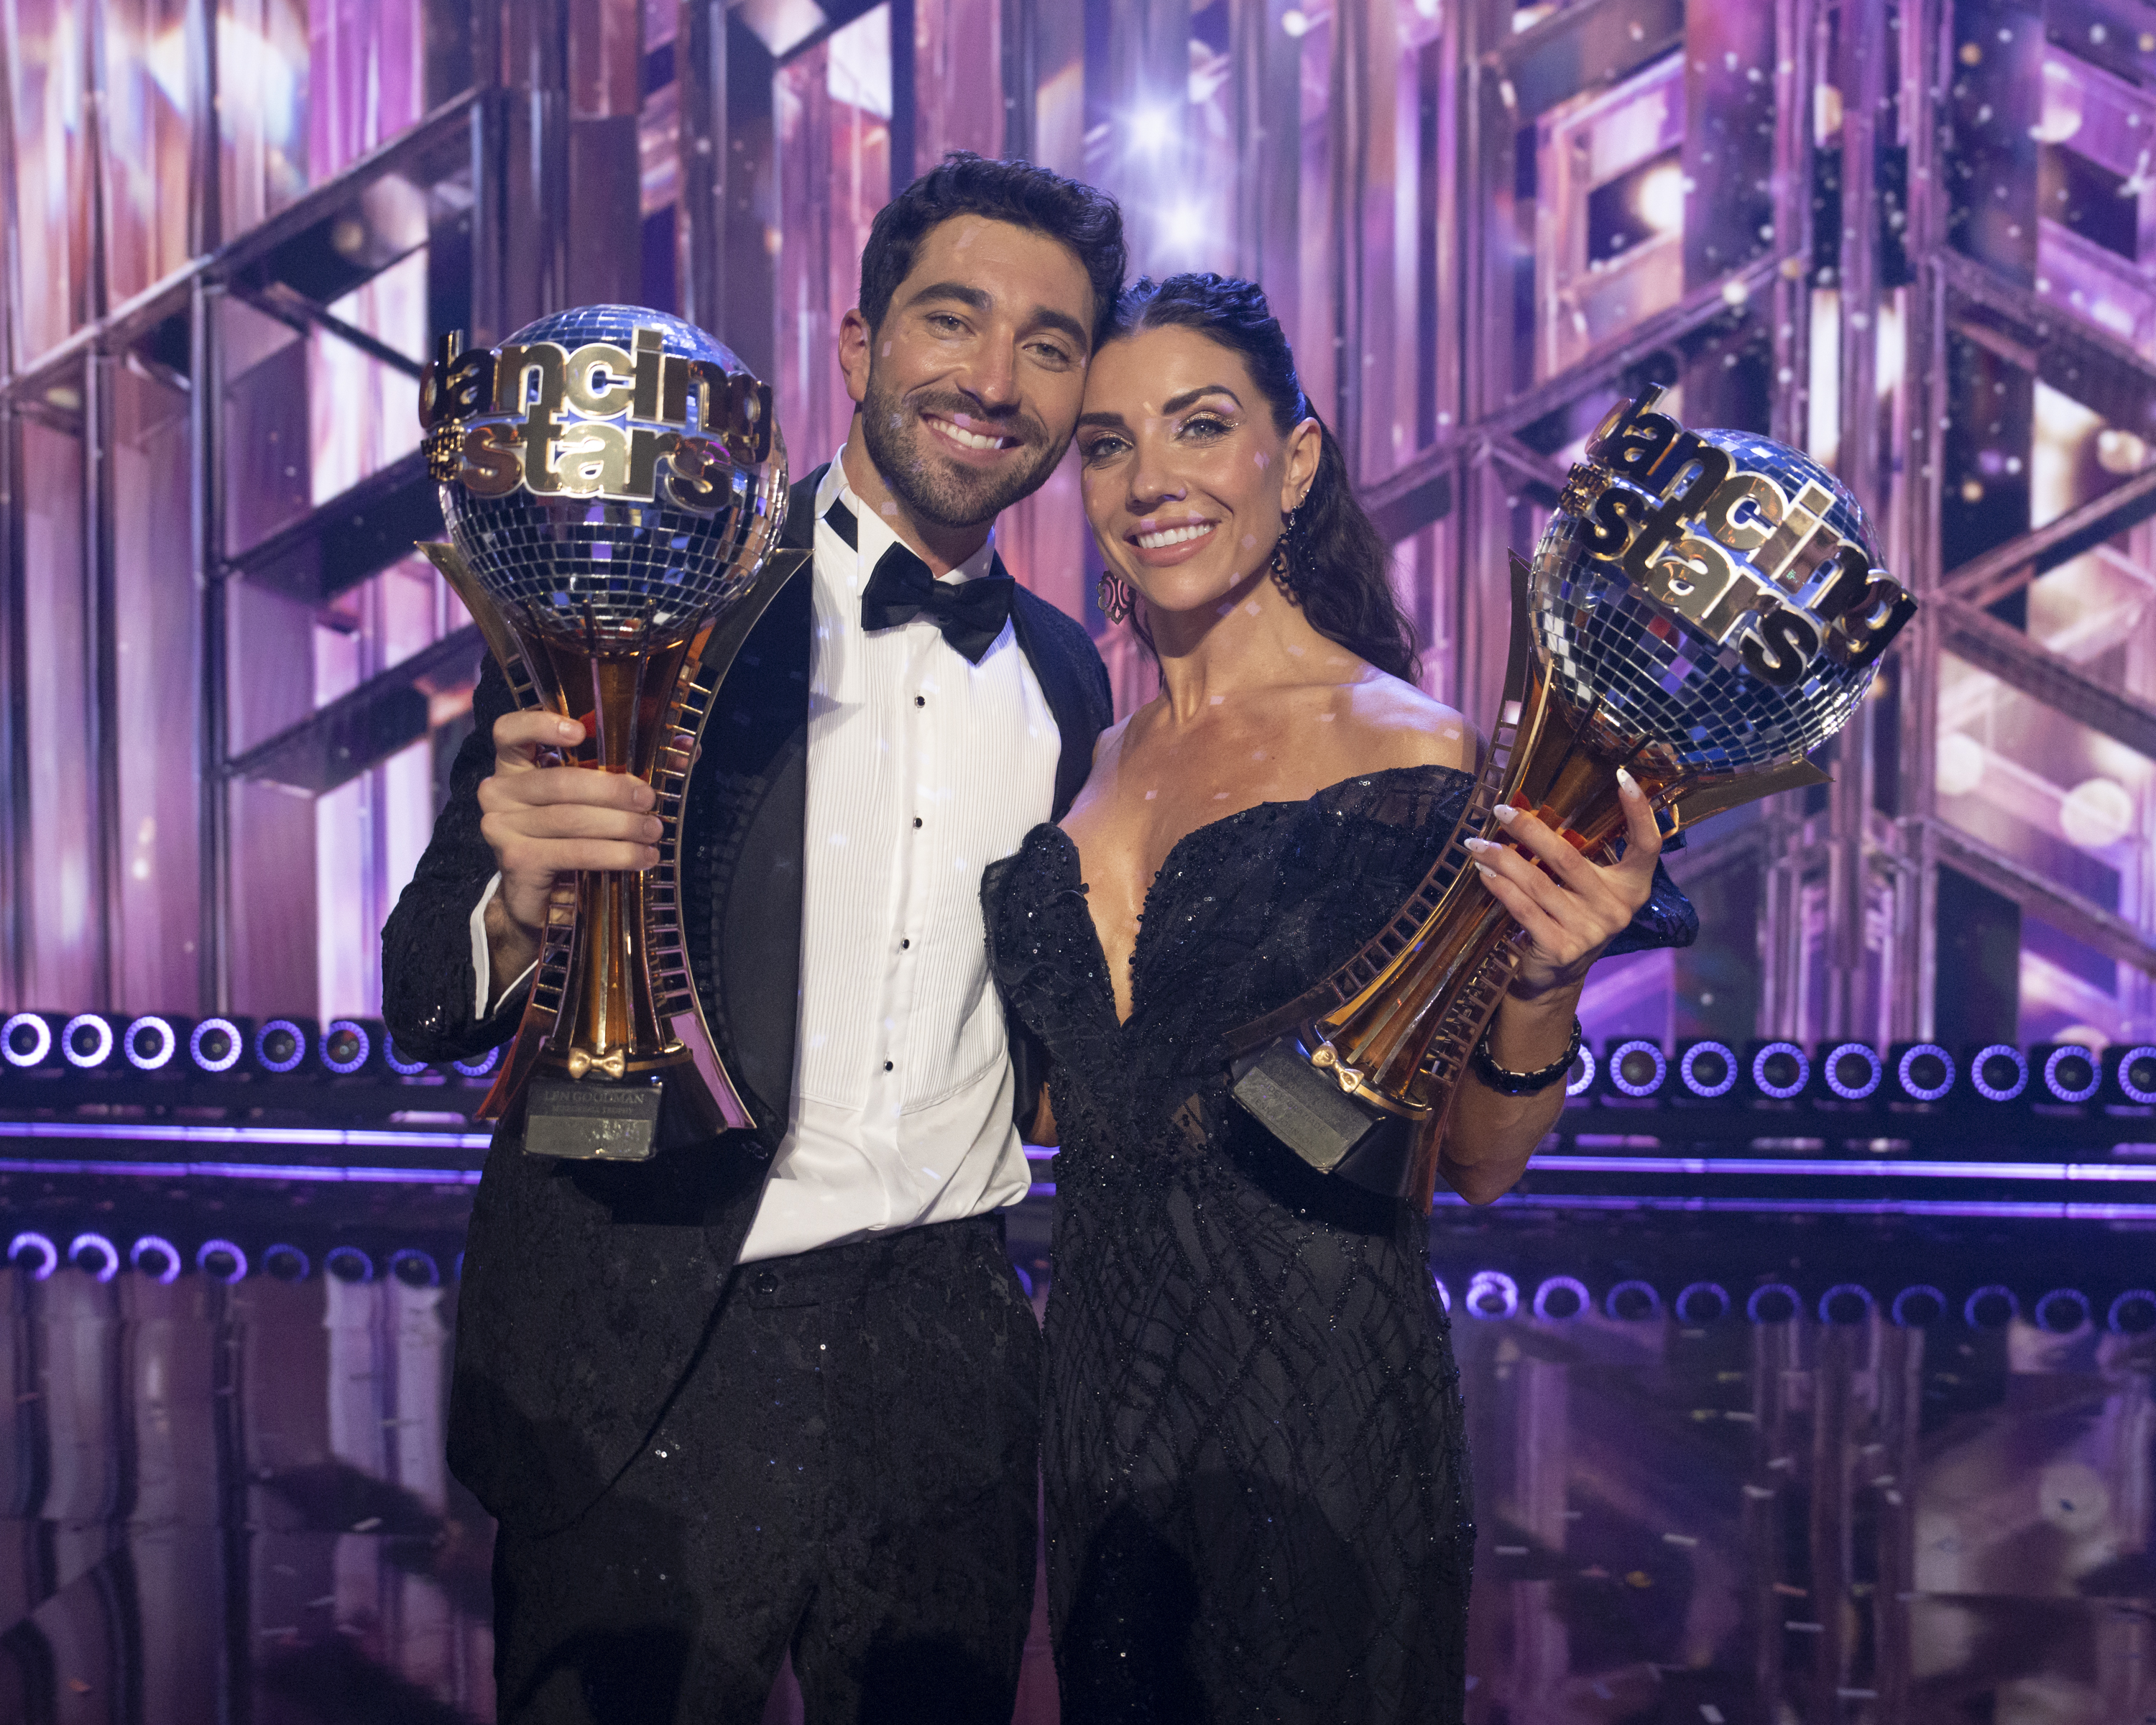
(1478, 846)
(1627, 783)
(1503, 813)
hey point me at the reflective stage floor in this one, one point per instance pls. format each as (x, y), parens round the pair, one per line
(228, 1502)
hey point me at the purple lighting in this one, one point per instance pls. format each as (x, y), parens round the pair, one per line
(99, 1048)
(1785, 1053)
(1900, 1310)
(1984, 1073)
(1913, 1082)
(158, 1243)
(1561, 1284)
(1847, 1290)
(216, 1045)
(1688, 1302)
(212, 1249)
(1611, 1302)
(1491, 1293)
(1621, 1057)
(1710, 1083)
(279, 1045)
(1994, 1290)
(338, 1029)
(1581, 1078)
(1782, 1293)
(150, 1044)
(1855, 1087)
(2062, 1312)
(481, 1066)
(2071, 1073)
(40, 1045)
(96, 1246)
(2144, 1096)
(397, 1063)
(48, 1254)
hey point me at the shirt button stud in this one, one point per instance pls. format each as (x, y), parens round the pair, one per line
(886, 1065)
(916, 820)
(920, 701)
(903, 944)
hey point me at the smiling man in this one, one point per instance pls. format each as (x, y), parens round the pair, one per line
(779, 1392)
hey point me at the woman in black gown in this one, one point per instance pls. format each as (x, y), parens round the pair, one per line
(1257, 1492)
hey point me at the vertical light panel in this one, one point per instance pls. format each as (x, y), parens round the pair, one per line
(46, 47)
(147, 75)
(156, 968)
(61, 880)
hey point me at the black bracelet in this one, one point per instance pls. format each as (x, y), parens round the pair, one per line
(1508, 1083)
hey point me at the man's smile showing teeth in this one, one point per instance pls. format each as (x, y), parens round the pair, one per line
(1174, 536)
(970, 440)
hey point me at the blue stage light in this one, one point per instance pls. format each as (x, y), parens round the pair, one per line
(2133, 1073)
(2133, 1313)
(1998, 1073)
(1691, 1305)
(1780, 1070)
(27, 1040)
(1580, 1079)
(1636, 1067)
(87, 1041)
(396, 1062)
(209, 1253)
(414, 1268)
(151, 1044)
(1707, 1068)
(1846, 1303)
(348, 1263)
(1923, 1071)
(1554, 1285)
(346, 1044)
(1775, 1303)
(1991, 1298)
(2062, 1312)
(157, 1245)
(1851, 1070)
(2069, 1071)
(1907, 1309)
(216, 1045)
(1491, 1293)
(1632, 1302)
(285, 1263)
(104, 1256)
(481, 1066)
(32, 1243)
(280, 1044)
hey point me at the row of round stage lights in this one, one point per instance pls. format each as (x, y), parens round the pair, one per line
(159, 1045)
(39, 1255)
(1493, 1294)
(1633, 1069)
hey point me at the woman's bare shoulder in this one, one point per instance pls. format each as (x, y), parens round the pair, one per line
(1392, 723)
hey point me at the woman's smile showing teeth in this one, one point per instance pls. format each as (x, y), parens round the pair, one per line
(1158, 546)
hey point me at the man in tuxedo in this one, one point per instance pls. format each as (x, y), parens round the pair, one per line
(779, 1392)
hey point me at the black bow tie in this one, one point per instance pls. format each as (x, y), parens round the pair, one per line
(969, 613)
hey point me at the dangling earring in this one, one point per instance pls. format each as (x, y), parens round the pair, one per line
(1283, 560)
(1113, 596)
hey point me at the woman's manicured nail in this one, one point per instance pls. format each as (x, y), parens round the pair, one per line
(568, 730)
(1626, 783)
(1503, 814)
(1486, 871)
(1478, 846)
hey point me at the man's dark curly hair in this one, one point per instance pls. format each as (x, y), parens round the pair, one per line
(963, 184)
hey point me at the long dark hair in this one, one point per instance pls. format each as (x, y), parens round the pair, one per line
(1338, 561)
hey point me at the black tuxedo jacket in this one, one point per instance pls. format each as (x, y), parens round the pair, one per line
(587, 1286)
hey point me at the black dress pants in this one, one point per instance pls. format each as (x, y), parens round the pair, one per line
(848, 1471)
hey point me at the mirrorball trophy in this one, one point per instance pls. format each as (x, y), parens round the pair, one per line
(1705, 608)
(614, 487)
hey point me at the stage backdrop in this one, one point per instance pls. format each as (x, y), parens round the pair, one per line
(1907, 236)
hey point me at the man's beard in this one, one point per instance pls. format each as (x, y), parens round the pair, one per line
(942, 493)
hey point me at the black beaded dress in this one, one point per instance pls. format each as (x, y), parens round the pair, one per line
(1258, 1500)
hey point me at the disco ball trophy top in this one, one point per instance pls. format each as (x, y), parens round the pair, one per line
(1705, 608)
(614, 486)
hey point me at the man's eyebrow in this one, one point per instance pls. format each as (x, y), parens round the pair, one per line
(973, 297)
(1177, 404)
(1047, 317)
